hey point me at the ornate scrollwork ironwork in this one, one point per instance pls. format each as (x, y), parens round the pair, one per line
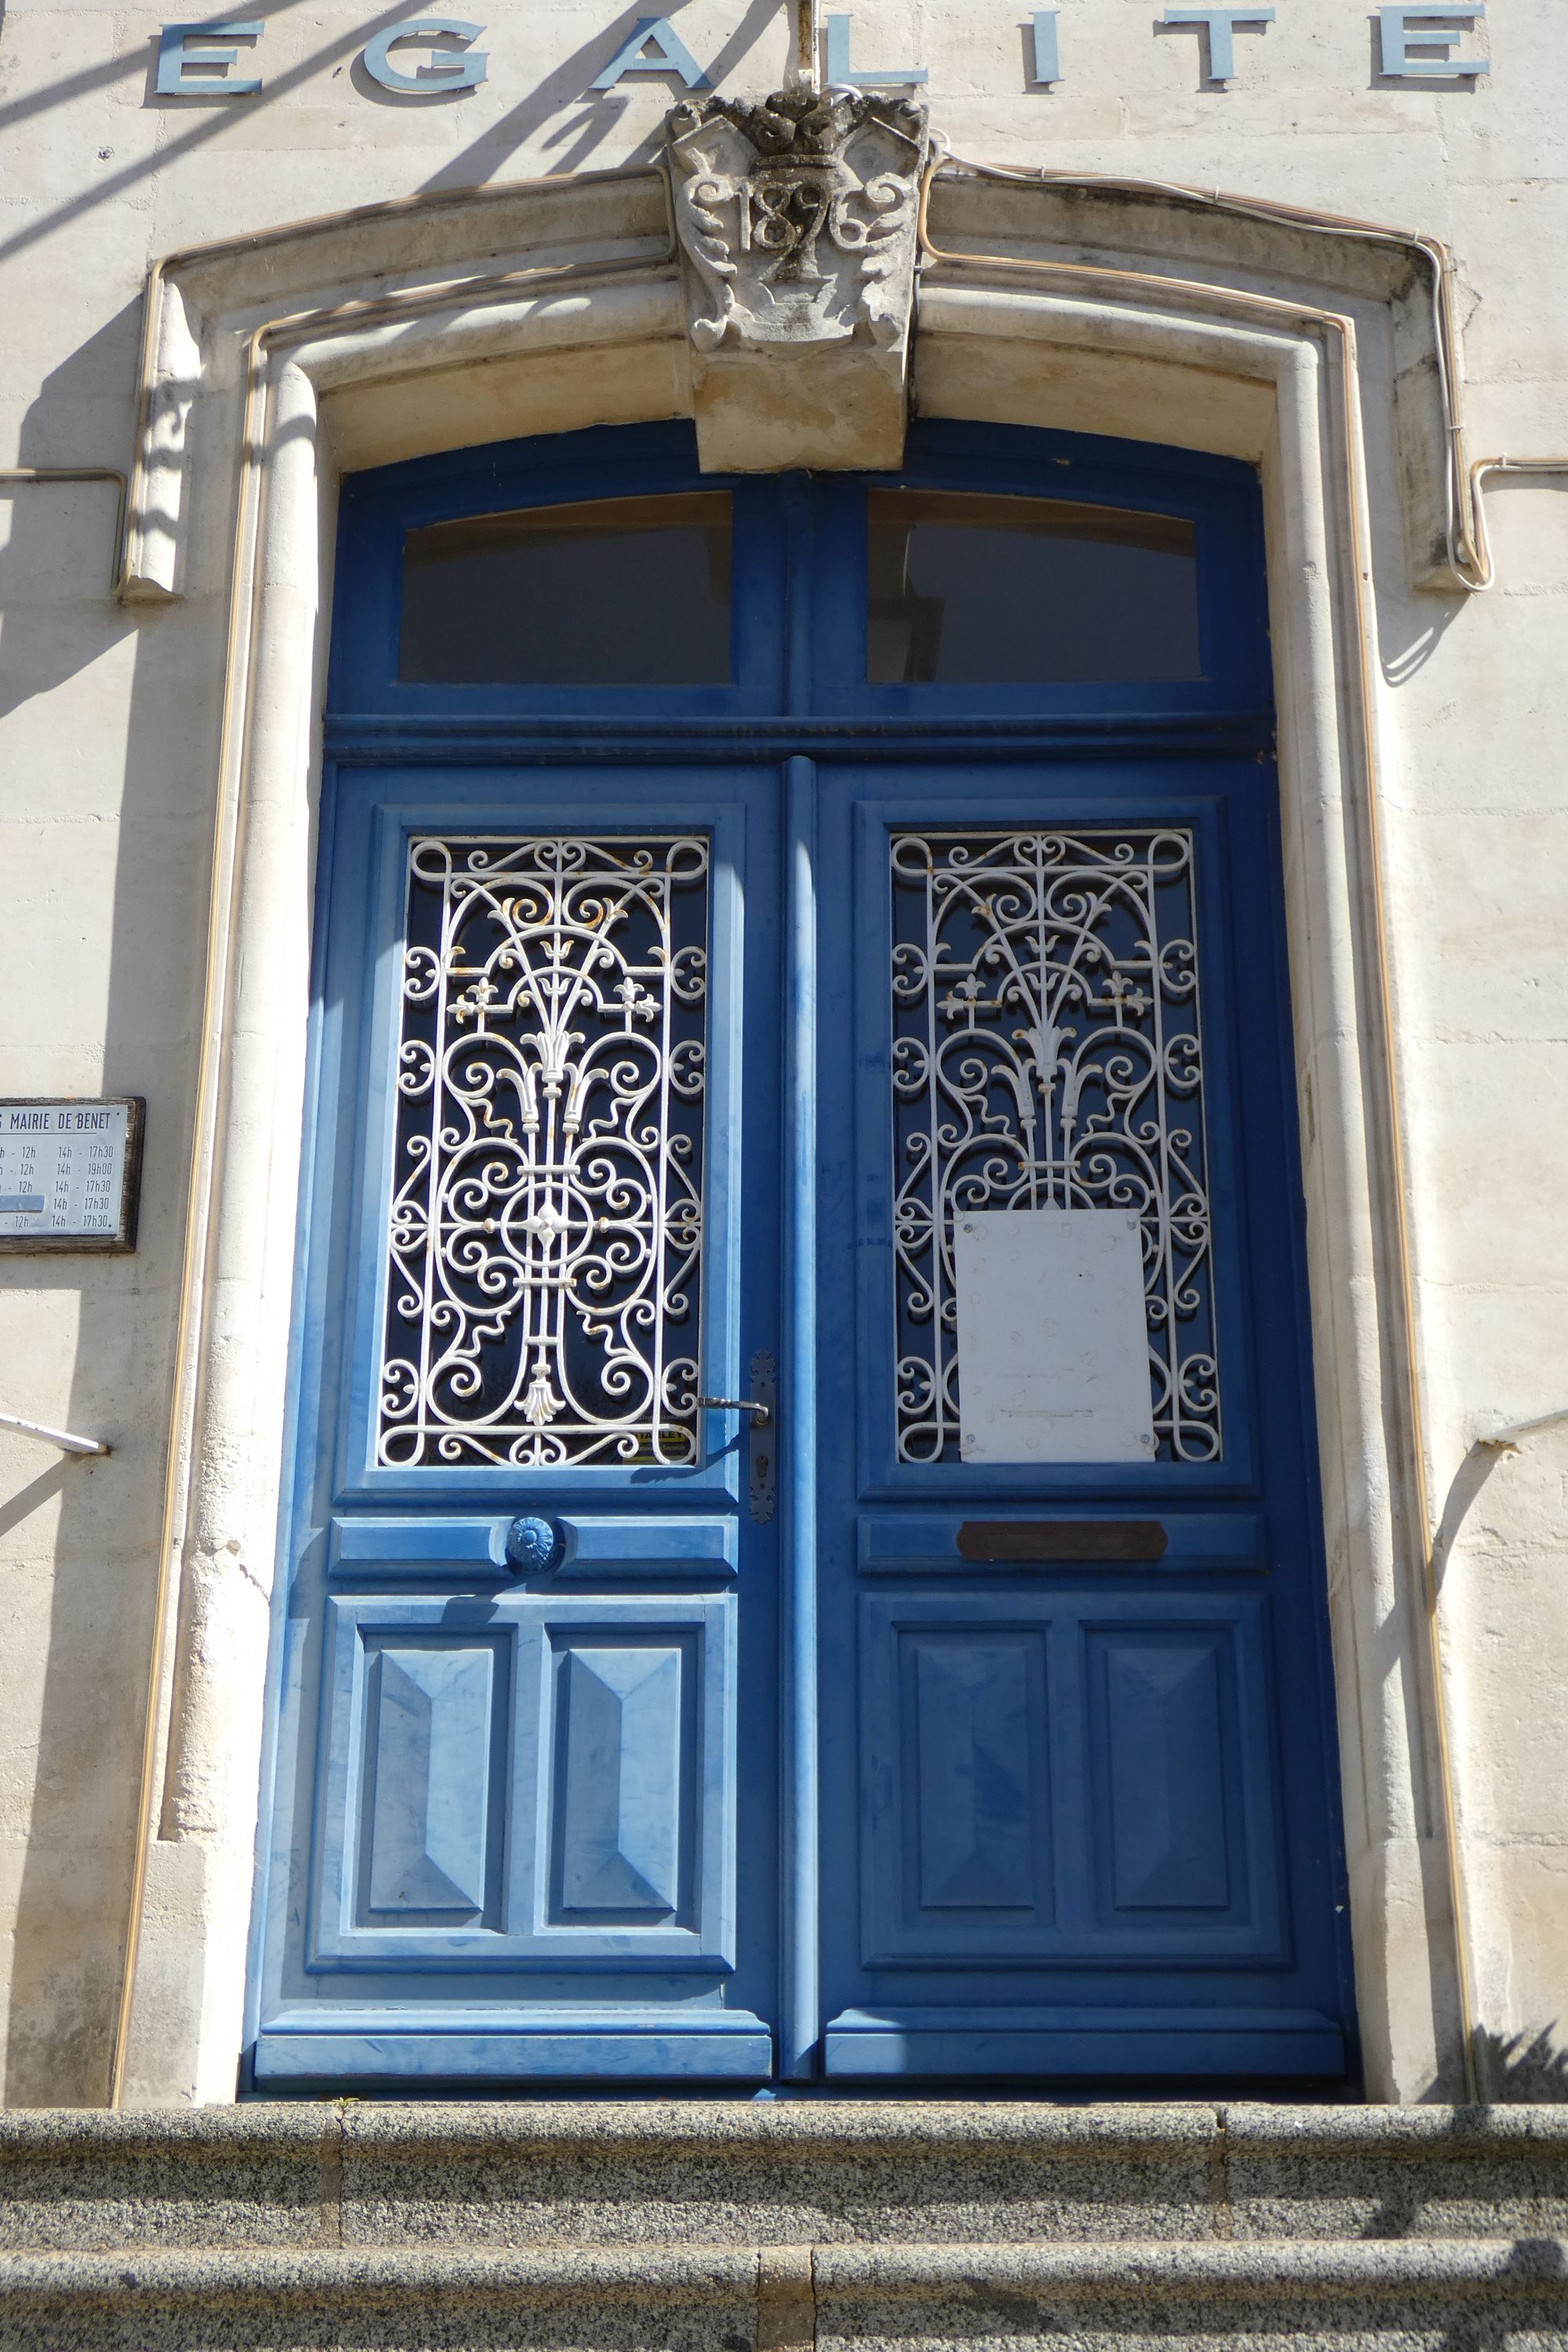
(1046, 1053)
(546, 1226)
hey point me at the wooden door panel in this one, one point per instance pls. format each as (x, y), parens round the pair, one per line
(622, 1788)
(527, 1781)
(1160, 1702)
(1035, 1776)
(977, 1710)
(429, 1789)
(1057, 1777)
(1092, 1818)
(506, 1838)
(587, 1546)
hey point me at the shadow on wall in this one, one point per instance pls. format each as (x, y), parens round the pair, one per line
(58, 548)
(567, 91)
(112, 887)
(580, 131)
(1519, 2068)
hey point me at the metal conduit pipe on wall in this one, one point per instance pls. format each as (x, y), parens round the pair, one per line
(1469, 555)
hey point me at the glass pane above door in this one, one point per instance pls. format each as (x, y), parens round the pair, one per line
(967, 589)
(607, 591)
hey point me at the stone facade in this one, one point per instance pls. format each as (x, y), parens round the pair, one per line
(156, 792)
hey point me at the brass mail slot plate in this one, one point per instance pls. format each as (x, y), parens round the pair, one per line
(996, 1540)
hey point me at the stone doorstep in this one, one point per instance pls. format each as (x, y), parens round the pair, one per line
(813, 2279)
(625, 2181)
(835, 2126)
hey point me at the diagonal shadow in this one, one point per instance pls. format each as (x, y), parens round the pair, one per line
(1468, 1479)
(477, 162)
(567, 86)
(1523, 2066)
(35, 1494)
(118, 184)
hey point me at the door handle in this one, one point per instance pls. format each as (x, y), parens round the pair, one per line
(762, 1452)
(762, 1414)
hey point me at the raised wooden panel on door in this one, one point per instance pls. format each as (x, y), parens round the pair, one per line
(622, 1796)
(1184, 1827)
(956, 1832)
(527, 1781)
(1166, 1771)
(976, 1712)
(1064, 1777)
(429, 1737)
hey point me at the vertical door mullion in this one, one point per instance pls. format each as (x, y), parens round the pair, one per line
(799, 1827)
(799, 2019)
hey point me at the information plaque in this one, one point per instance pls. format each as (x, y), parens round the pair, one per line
(69, 1173)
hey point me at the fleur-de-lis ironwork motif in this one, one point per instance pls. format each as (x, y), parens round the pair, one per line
(545, 1247)
(1093, 1098)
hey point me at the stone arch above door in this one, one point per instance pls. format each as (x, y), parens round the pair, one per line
(375, 306)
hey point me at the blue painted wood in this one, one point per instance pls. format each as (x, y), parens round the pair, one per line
(1188, 1844)
(624, 1546)
(799, 2014)
(610, 2048)
(974, 1722)
(377, 508)
(1066, 1777)
(617, 1548)
(621, 1794)
(1104, 2043)
(599, 1827)
(430, 1797)
(1219, 497)
(590, 741)
(537, 1783)
(419, 1548)
(530, 1544)
(926, 1544)
(989, 1821)
(1164, 1747)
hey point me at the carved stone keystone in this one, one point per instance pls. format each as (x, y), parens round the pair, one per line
(797, 218)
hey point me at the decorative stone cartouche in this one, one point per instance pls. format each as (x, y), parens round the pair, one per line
(796, 216)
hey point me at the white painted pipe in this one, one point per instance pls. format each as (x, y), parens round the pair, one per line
(1508, 1439)
(61, 1438)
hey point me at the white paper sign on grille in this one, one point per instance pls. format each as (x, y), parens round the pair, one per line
(1052, 1335)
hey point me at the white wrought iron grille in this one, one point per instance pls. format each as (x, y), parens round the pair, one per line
(542, 1293)
(1046, 1053)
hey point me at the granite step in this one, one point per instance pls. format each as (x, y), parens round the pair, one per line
(1372, 2295)
(712, 2172)
(713, 2226)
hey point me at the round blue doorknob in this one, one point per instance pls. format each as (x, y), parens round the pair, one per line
(532, 1545)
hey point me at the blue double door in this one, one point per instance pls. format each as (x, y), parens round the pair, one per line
(801, 1563)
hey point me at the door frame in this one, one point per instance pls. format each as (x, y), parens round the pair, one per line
(495, 766)
(978, 354)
